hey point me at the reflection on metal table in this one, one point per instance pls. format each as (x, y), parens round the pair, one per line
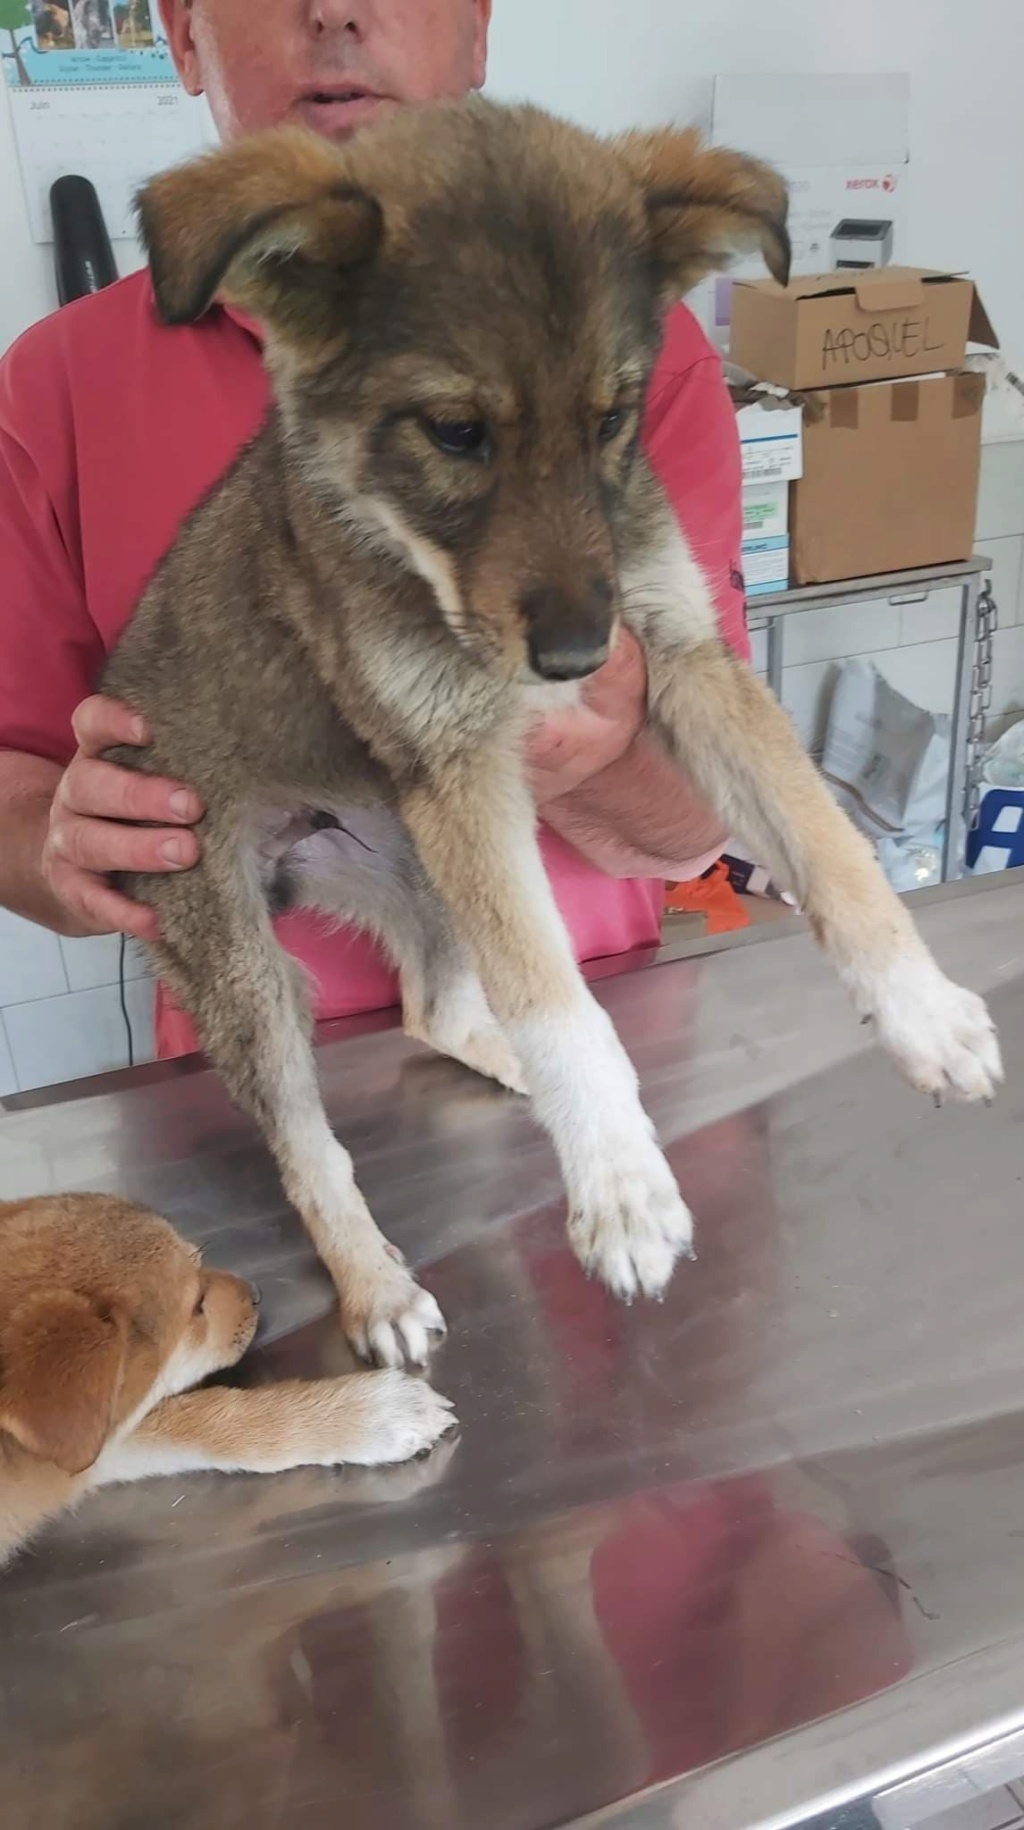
(750, 1556)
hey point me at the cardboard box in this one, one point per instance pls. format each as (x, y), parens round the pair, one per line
(831, 329)
(765, 565)
(765, 511)
(890, 478)
(771, 443)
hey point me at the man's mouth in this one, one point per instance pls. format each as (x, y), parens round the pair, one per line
(339, 95)
(337, 107)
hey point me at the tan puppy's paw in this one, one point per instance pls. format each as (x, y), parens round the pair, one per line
(387, 1417)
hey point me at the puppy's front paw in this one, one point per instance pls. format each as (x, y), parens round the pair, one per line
(631, 1224)
(386, 1315)
(387, 1417)
(940, 1036)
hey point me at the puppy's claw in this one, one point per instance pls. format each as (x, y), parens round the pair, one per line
(398, 1329)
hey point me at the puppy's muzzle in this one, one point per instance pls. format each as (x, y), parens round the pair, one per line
(568, 633)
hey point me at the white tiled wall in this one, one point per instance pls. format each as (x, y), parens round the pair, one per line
(60, 1014)
(60, 1006)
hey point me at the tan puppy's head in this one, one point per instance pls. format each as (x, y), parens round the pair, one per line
(104, 1310)
(462, 309)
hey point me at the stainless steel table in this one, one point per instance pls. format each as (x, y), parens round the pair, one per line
(748, 1557)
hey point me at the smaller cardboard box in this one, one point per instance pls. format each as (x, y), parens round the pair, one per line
(828, 330)
(771, 445)
(890, 478)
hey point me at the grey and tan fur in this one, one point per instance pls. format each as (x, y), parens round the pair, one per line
(442, 522)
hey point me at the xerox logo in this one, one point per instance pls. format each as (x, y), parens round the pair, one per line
(888, 183)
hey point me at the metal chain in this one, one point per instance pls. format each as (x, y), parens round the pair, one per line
(981, 702)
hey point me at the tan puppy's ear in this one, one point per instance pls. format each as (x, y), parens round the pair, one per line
(705, 205)
(62, 1360)
(269, 223)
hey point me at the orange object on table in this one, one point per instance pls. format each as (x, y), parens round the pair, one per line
(711, 896)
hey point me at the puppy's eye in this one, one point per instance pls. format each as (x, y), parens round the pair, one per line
(200, 1307)
(610, 425)
(467, 438)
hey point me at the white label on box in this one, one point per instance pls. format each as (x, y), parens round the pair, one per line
(765, 566)
(771, 460)
(771, 444)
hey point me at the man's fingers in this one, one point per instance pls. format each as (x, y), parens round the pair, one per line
(103, 845)
(104, 791)
(100, 910)
(618, 690)
(107, 819)
(98, 722)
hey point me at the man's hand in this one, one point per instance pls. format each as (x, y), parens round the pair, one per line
(609, 788)
(568, 748)
(94, 828)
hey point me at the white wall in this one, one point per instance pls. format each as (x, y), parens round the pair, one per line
(613, 63)
(616, 63)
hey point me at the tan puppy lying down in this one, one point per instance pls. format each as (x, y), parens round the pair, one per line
(107, 1319)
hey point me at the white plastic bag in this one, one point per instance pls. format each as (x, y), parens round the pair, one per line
(887, 762)
(886, 758)
(1004, 761)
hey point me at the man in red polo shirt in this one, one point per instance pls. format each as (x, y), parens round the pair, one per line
(113, 426)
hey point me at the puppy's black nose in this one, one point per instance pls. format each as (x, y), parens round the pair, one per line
(568, 632)
(256, 1293)
(567, 663)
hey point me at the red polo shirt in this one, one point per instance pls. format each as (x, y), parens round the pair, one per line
(112, 427)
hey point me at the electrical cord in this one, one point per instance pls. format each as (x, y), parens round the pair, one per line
(124, 1001)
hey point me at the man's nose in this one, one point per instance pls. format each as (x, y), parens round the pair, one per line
(347, 16)
(568, 631)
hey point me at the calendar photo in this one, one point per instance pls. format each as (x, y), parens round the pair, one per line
(133, 24)
(81, 25)
(70, 43)
(92, 25)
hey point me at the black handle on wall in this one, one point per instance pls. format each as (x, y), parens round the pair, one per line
(82, 254)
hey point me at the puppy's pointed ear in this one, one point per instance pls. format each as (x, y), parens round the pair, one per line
(62, 1359)
(271, 224)
(704, 205)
